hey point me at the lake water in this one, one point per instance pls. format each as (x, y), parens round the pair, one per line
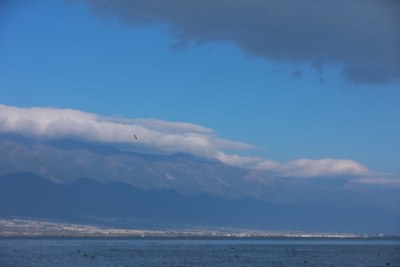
(198, 252)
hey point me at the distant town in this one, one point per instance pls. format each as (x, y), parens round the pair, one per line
(39, 228)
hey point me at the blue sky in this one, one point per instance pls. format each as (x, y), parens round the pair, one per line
(65, 55)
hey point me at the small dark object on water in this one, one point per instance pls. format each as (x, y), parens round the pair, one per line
(387, 264)
(79, 251)
(236, 256)
(85, 255)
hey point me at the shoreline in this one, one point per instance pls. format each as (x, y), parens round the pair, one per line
(20, 228)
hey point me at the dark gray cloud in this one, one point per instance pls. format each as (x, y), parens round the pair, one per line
(361, 36)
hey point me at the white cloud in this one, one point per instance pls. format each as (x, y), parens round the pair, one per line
(171, 127)
(298, 168)
(160, 136)
(320, 167)
(352, 171)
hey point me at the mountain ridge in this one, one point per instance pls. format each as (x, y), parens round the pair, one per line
(64, 162)
(28, 195)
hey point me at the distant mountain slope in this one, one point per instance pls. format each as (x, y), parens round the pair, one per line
(29, 195)
(64, 162)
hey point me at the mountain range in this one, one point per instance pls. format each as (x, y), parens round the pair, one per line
(79, 181)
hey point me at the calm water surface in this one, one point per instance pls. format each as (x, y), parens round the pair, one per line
(197, 252)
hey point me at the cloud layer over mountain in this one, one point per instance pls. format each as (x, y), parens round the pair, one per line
(166, 137)
(360, 36)
(160, 137)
